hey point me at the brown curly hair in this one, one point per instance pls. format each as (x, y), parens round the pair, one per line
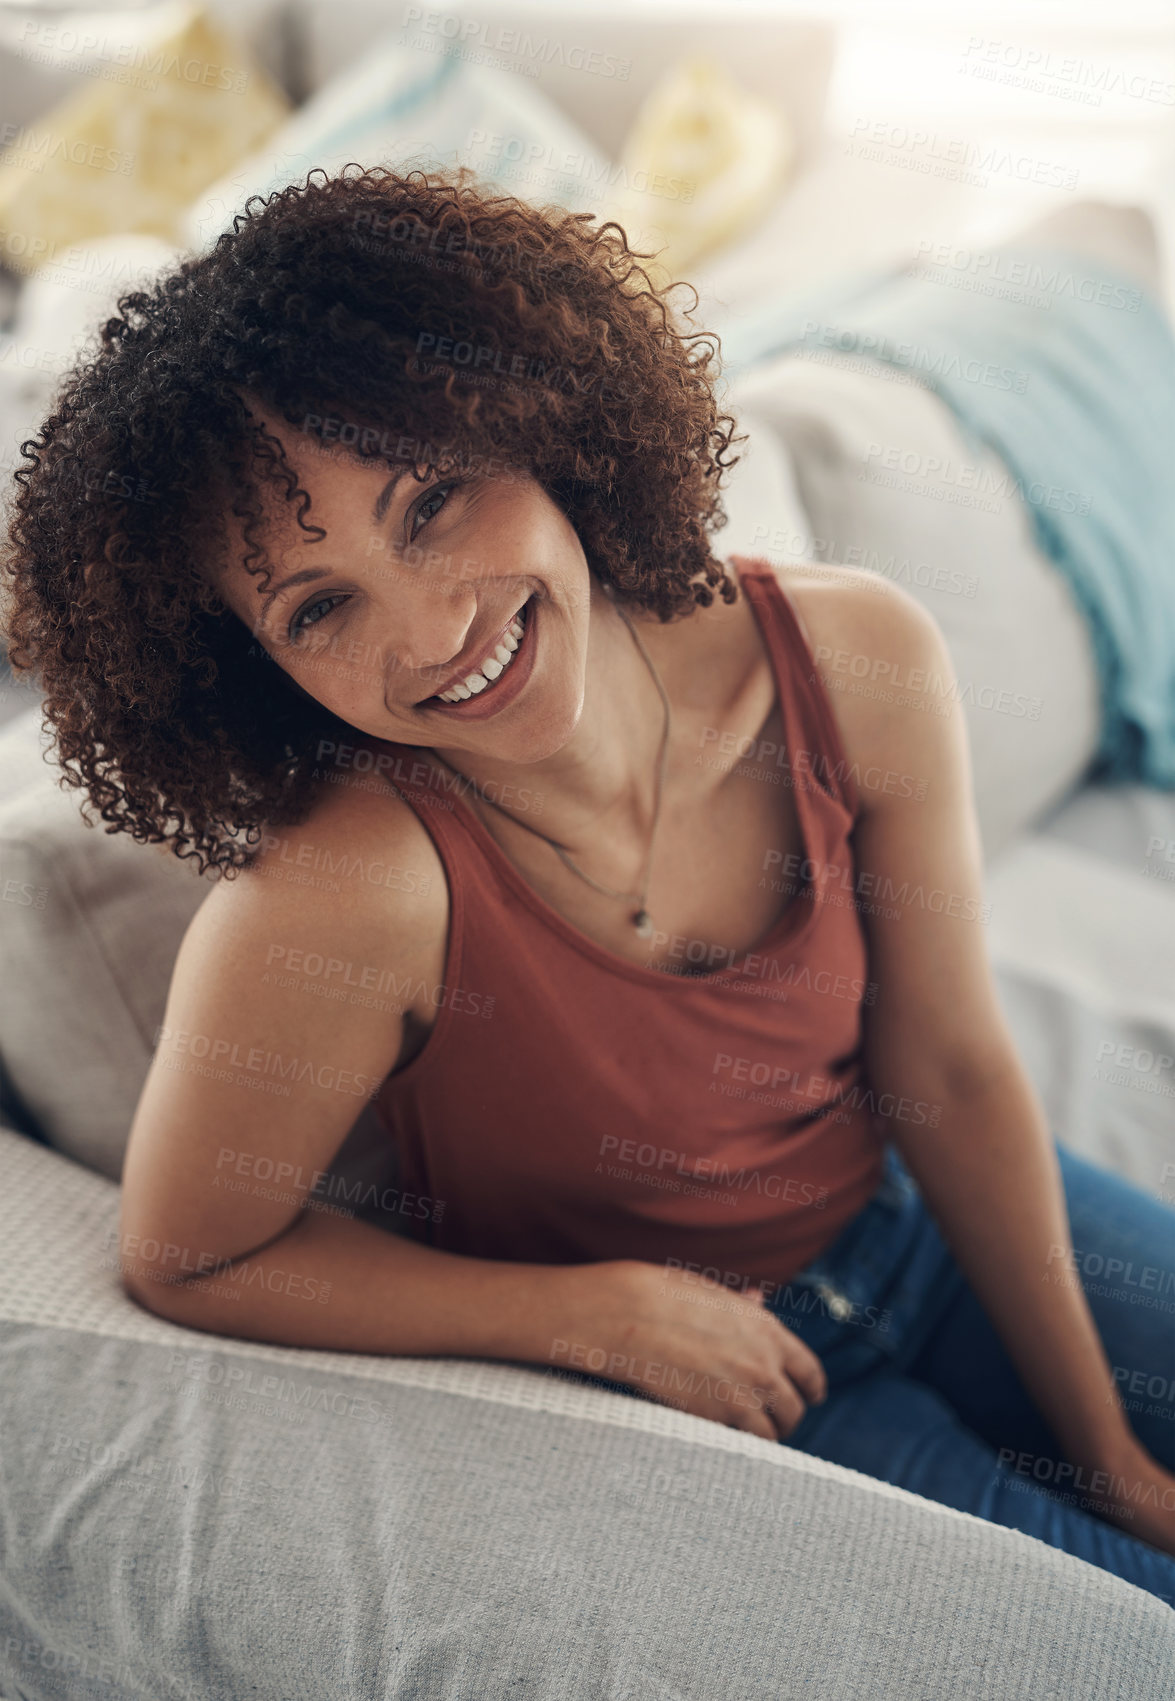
(317, 303)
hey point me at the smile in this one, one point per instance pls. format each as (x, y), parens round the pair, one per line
(494, 665)
(499, 677)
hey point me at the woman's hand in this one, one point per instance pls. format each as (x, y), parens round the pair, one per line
(1139, 1497)
(693, 1344)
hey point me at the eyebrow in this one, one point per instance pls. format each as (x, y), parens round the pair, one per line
(305, 574)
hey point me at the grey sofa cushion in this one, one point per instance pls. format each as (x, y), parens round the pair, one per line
(187, 1515)
(89, 934)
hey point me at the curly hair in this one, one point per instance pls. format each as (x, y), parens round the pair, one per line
(320, 303)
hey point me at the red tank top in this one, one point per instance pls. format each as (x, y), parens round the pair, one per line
(569, 1106)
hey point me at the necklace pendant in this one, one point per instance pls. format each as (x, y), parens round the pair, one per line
(643, 922)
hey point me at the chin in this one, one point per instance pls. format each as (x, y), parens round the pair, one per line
(525, 745)
(538, 733)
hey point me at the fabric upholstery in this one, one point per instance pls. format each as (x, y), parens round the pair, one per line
(201, 1516)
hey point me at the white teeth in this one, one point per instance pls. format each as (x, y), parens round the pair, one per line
(493, 666)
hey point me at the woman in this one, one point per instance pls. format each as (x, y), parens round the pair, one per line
(368, 561)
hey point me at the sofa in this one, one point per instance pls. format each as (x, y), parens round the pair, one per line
(189, 1515)
(186, 1515)
(183, 1514)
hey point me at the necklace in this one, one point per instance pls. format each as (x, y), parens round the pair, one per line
(640, 918)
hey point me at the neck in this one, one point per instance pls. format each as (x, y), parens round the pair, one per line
(603, 778)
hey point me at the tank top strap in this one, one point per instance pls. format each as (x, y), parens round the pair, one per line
(436, 797)
(817, 753)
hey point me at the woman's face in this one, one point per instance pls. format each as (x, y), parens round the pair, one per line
(452, 614)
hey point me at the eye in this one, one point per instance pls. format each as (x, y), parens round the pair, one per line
(302, 622)
(423, 508)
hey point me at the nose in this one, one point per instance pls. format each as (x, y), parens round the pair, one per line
(431, 625)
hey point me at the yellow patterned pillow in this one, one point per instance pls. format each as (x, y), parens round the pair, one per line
(166, 113)
(704, 158)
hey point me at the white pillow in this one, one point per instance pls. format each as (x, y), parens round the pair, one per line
(399, 105)
(1020, 646)
(764, 512)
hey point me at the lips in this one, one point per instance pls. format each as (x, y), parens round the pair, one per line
(492, 667)
(508, 677)
(478, 657)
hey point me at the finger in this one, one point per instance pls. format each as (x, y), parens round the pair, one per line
(782, 1402)
(755, 1423)
(804, 1368)
(735, 1397)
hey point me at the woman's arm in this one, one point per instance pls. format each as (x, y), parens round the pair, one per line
(257, 1080)
(342, 1285)
(224, 1228)
(936, 1034)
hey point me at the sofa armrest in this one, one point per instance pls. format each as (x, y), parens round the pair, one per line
(186, 1513)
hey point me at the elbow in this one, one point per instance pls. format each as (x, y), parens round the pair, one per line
(141, 1292)
(160, 1295)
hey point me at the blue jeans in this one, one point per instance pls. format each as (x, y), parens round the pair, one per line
(922, 1394)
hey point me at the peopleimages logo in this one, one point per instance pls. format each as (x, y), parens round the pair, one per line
(954, 157)
(712, 1170)
(507, 39)
(826, 1090)
(967, 476)
(1093, 1484)
(913, 356)
(794, 869)
(219, 1052)
(1044, 275)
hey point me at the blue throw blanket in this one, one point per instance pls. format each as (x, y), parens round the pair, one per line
(1067, 370)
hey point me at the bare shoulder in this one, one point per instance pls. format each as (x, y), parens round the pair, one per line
(853, 608)
(880, 655)
(361, 862)
(291, 1001)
